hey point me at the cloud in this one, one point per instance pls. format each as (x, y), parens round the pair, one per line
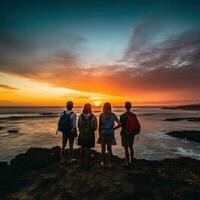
(5, 103)
(7, 87)
(150, 47)
(150, 66)
(20, 55)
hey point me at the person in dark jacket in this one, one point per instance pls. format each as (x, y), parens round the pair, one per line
(87, 125)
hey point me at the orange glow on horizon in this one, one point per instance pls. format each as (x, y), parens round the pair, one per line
(32, 93)
(97, 103)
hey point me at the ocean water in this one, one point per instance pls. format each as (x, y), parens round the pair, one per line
(25, 127)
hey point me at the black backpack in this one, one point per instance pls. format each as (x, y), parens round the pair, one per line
(64, 123)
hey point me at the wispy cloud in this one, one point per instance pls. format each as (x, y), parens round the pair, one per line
(7, 87)
(152, 46)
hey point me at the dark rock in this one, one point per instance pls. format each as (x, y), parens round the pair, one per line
(16, 118)
(5, 172)
(168, 179)
(1, 128)
(188, 135)
(36, 158)
(3, 164)
(190, 119)
(13, 131)
(185, 107)
(49, 114)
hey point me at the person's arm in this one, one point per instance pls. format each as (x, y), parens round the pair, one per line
(74, 122)
(121, 119)
(59, 119)
(99, 125)
(118, 123)
(79, 122)
(95, 123)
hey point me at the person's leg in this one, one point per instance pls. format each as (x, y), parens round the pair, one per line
(103, 149)
(82, 155)
(124, 139)
(71, 143)
(62, 152)
(88, 156)
(109, 148)
(132, 153)
(131, 148)
(126, 156)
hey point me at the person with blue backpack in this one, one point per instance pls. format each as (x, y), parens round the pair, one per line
(67, 125)
(130, 127)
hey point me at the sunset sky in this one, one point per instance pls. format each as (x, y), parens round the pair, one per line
(147, 52)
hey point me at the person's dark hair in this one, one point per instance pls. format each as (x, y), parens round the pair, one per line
(107, 108)
(128, 105)
(87, 108)
(69, 105)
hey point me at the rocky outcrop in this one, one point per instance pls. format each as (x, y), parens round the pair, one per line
(189, 119)
(185, 107)
(188, 135)
(37, 174)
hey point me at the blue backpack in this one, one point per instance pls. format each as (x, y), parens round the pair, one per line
(64, 123)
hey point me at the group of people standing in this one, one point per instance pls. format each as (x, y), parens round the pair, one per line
(87, 125)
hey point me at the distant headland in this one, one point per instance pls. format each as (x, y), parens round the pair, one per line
(184, 107)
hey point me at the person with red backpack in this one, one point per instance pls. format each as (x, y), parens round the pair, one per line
(130, 127)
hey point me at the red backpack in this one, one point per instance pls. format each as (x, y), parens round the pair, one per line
(132, 125)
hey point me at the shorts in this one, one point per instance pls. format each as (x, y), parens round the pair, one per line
(68, 136)
(127, 140)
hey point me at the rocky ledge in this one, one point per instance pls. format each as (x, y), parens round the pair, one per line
(188, 135)
(189, 119)
(37, 174)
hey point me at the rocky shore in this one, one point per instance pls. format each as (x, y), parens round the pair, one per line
(189, 119)
(37, 174)
(188, 135)
(185, 107)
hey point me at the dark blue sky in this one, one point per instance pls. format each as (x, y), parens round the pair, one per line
(98, 30)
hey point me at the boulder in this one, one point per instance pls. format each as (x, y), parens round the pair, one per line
(36, 158)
